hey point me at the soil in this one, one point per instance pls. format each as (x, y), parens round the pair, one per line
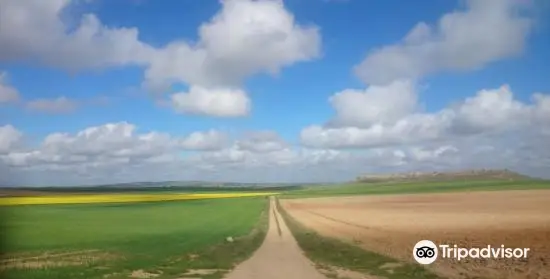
(142, 274)
(59, 259)
(392, 224)
(279, 256)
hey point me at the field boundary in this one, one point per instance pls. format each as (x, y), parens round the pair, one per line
(336, 220)
(348, 256)
(229, 254)
(122, 198)
(415, 187)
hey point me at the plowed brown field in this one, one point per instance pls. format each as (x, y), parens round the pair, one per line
(392, 225)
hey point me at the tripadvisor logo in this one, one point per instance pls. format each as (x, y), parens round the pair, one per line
(426, 252)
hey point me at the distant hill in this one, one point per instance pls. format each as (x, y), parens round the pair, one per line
(481, 174)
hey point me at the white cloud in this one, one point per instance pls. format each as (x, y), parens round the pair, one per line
(56, 106)
(413, 129)
(244, 38)
(262, 141)
(492, 110)
(383, 123)
(34, 30)
(387, 112)
(9, 138)
(542, 111)
(375, 104)
(487, 31)
(488, 112)
(8, 94)
(236, 158)
(104, 146)
(222, 157)
(313, 165)
(117, 152)
(220, 102)
(208, 140)
(386, 128)
(426, 154)
(112, 139)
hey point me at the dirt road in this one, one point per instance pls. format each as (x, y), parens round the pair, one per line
(279, 256)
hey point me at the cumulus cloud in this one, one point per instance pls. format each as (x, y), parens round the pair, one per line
(388, 113)
(8, 93)
(492, 110)
(488, 112)
(215, 102)
(383, 124)
(252, 149)
(208, 140)
(244, 38)
(487, 31)
(58, 105)
(118, 152)
(386, 128)
(262, 141)
(10, 137)
(236, 158)
(375, 104)
(34, 31)
(427, 154)
(111, 144)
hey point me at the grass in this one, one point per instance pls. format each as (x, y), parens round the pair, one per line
(380, 188)
(165, 238)
(349, 256)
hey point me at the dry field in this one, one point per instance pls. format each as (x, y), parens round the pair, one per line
(392, 224)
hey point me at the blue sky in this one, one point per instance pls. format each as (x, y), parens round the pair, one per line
(270, 90)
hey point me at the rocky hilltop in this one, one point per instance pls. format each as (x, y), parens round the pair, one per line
(456, 175)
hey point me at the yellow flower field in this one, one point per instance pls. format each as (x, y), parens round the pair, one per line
(121, 198)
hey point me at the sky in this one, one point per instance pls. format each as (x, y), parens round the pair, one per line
(108, 91)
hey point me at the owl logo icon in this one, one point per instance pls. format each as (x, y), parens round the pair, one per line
(425, 252)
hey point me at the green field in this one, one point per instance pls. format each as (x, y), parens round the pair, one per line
(165, 238)
(381, 188)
